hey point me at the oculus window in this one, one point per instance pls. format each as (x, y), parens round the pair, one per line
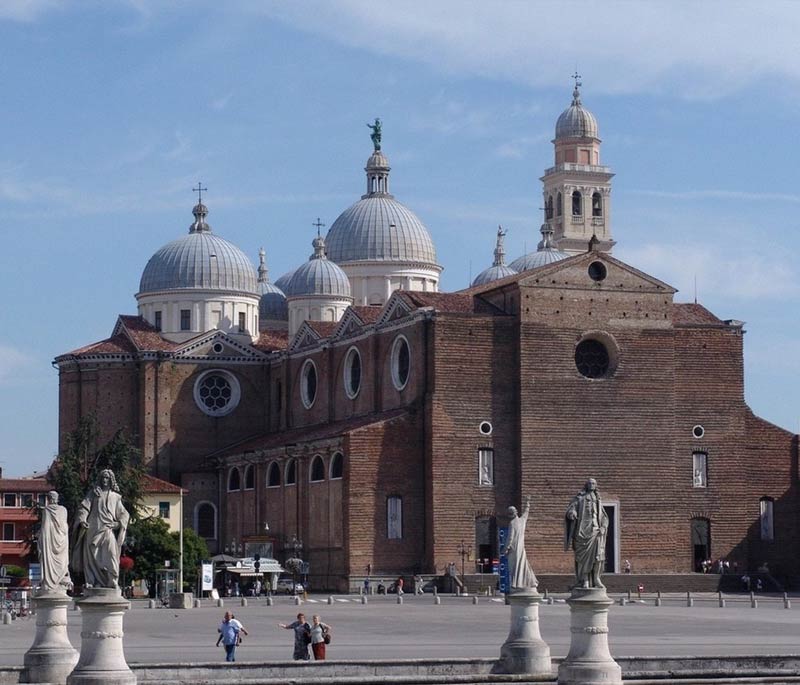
(352, 372)
(394, 518)
(592, 359)
(699, 469)
(217, 392)
(401, 362)
(308, 384)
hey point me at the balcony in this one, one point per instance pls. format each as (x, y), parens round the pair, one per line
(571, 166)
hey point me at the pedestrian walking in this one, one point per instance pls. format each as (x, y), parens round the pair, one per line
(242, 630)
(302, 637)
(320, 637)
(398, 585)
(229, 636)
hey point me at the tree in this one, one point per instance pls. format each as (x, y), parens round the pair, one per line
(194, 551)
(150, 544)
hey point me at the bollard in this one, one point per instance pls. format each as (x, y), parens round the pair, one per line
(269, 601)
(658, 598)
(363, 599)
(629, 595)
(330, 599)
(786, 603)
(689, 600)
(151, 604)
(753, 601)
(297, 600)
(545, 593)
(721, 602)
(6, 618)
(435, 591)
(244, 601)
(622, 601)
(399, 599)
(197, 604)
(550, 600)
(437, 599)
(475, 599)
(220, 602)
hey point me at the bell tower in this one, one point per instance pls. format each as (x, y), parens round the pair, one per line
(577, 189)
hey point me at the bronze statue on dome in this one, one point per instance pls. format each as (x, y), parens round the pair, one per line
(376, 134)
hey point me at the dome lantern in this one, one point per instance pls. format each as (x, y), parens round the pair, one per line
(498, 269)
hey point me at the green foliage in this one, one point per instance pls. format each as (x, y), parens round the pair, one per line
(75, 470)
(194, 551)
(150, 544)
(16, 571)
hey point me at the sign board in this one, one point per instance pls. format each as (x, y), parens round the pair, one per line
(502, 538)
(35, 573)
(207, 575)
(305, 570)
(5, 580)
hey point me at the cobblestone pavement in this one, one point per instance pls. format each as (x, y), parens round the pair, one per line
(418, 628)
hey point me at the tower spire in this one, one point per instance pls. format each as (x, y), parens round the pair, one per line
(263, 272)
(200, 212)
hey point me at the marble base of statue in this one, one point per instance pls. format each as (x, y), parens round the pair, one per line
(524, 651)
(589, 662)
(51, 657)
(102, 659)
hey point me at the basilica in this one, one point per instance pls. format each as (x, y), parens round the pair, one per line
(352, 413)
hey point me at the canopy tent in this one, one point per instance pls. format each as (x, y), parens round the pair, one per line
(224, 559)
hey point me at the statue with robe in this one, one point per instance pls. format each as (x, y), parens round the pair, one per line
(53, 545)
(99, 529)
(520, 573)
(376, 134)
(586, 525)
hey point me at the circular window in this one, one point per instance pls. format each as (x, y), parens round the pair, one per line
(597, 271)
(698, 431)
(217, 348)
(401, 362)
(217, 392)
(308, 383)
(592, 359)
(485, 428)
(352, 372)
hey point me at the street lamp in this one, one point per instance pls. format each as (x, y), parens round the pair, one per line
(464, 550)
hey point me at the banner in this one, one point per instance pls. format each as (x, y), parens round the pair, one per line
(207, 574)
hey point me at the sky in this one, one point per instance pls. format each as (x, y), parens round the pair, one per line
(112, 110)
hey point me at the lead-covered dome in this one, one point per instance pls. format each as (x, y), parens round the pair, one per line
(545, 254)
(272, 305)
(199, 261)
(576, 121)
(318, 276)
(498, 269)
(378, 227)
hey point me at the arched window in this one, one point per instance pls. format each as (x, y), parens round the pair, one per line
(559, 205)
(234, 480)
(273, 475)
(401, 362)
(766, 520)
(548, 209)
(352, 372)
(577, 204)
(291, 472)
(337, 466)
(249, 477)
(317, 469)
(308, 384)
(205, 520)
(597, 204)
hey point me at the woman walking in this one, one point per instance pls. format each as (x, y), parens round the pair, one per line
(320, 637)
(302, 637)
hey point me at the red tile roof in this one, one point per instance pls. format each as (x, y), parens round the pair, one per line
(23, 485)
(118, 344)
(452, 303)
(144, 335)
(156, 485)
(367, 314)
(271, 340)
(691, 313)
(324, 329)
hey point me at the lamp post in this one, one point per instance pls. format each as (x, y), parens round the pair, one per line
(180, 563)
(464, 550)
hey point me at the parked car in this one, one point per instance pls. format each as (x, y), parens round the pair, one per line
(285, 585)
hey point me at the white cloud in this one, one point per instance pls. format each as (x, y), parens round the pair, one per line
(26, 10)
(694, 50)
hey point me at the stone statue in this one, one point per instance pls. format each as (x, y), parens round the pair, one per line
(520, 574)
(100, 525)
(54, 546)
(376, 134)
(586, 527)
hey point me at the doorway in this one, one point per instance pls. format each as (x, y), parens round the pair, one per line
(612, 538)
(485, 543)
(701, 543)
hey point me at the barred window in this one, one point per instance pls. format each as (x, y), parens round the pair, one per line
(394, 518)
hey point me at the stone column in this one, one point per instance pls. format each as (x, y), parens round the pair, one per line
(589, 662)
(102, 660)
(51, 657)
(524, 651)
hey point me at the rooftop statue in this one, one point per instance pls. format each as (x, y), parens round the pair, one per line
(54, 546)
(586, 526)
(520, 574)
(376, 134)
(99, 529)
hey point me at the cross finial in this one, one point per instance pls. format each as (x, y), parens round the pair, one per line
(199, 190)
(577, 78)
(319, 225)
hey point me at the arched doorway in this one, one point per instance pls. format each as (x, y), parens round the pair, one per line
(701, 542)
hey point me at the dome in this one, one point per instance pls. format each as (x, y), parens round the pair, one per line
(378, 227)
(545, 254)
(283, 282)
(272, 304)
(319, 276)
(493, 273)
(576, 121)
(200, 260)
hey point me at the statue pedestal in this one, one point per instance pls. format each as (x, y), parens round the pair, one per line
(51, 657)
(102, 661)
(524, 651)
(589, 662)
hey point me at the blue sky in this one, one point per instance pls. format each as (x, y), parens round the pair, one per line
(112, 110)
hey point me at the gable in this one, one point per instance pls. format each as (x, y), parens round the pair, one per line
(349, 326)
(396, 308)
(306, 336)
(217, 346)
